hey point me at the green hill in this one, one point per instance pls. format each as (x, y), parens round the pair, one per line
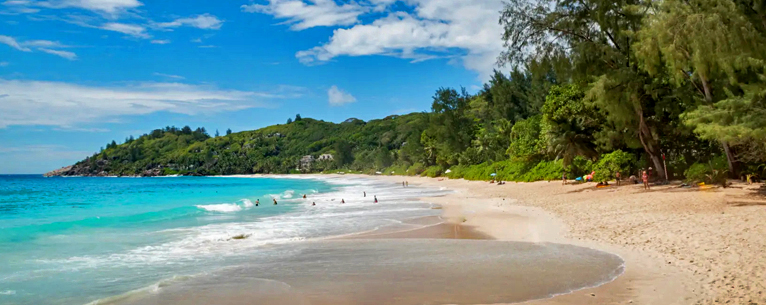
(273, 149)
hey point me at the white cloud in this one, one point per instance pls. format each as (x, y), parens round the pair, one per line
(41, 45)
(466, 31)
(304, 15)
(3, 64)
(161, 41)
(64, 54)
(13, 43)
(169, 75)
(109, 7)
(339, 97)
(198, 40)
(65, 104)
(129, 29)
(204, 21)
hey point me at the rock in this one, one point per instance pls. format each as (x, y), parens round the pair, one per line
(59, 172)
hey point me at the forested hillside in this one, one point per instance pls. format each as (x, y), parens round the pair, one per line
(594, 85)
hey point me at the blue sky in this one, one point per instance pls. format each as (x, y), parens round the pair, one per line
(76, 74)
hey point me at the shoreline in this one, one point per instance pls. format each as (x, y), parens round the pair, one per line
(680, 246)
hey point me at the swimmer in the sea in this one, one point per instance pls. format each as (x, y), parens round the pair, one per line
(257, 202)
(342, 201)
(313, 203)
(275, 201)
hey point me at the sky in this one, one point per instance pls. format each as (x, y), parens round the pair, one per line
(77, 74)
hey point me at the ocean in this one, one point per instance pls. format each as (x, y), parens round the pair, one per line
(81, 240)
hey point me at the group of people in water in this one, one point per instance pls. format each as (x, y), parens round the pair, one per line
(375, 199)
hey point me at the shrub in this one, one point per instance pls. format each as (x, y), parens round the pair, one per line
(616, 161)
(399, 169)
(416, 169)
(713, 172)
(545, 170)
(433, 171)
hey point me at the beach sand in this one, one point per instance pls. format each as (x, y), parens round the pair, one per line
(681, 245)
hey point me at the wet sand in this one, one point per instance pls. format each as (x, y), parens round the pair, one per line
(401, 271)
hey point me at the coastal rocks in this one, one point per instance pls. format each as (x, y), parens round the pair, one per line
(58, 172)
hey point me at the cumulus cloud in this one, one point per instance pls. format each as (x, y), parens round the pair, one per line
(339, 97)
(65, 104)
(302, 15)
(204, 21)
(64, 54)
(465, 31)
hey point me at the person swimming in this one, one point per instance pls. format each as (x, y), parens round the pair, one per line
(342, 201)
(313, 203)
(275, 201)
(376, 198)
(257, 202)
(304, 196)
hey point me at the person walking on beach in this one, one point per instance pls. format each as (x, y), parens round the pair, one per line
(617, 177)
(645, 178)
(563, 178)
(275, 201)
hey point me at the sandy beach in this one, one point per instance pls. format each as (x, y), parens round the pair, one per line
(681, 245)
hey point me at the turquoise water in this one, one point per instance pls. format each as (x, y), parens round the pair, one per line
(78, 240)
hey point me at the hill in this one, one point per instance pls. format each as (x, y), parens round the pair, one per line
(273, 149)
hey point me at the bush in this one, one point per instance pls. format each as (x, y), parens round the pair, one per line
(399, 169)
(416, 169)
(616, 161)
(433, 171)
(545, 170)
(713, 172)
(456, 172)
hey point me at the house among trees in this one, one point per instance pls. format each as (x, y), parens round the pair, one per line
(304, 164)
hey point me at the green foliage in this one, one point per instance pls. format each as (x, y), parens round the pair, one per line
(416, 169)
(569, 123)
(433, 171)
(611, 163)
(712, 172)
(525, 139)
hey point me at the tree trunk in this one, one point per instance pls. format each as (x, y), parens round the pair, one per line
(730, 159)
(645, 135)
(726, 148)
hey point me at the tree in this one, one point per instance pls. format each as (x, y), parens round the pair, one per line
(217, 134)
(289, 120)
(228, 131)
(569, 123)
(593, 38)
(705, 43)
(298, 117)
(343, 155)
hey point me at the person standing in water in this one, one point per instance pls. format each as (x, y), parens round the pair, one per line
(365, 194)
(342, 201)
(304, 196)
(406, 184)
(402, 183)
(376, 198)
(257, 202)
(275, 201)
(313, 203)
